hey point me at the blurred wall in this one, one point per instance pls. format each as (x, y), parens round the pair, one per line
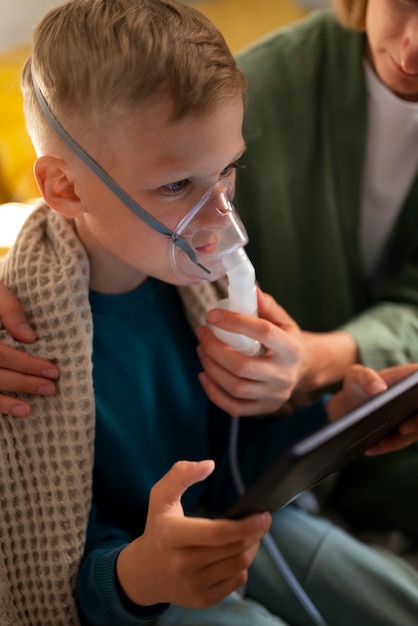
(240, 20)
(17, 18)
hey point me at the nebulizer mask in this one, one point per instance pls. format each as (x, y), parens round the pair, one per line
(207, 243)
(215, 233)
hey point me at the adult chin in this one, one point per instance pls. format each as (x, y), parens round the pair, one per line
(403, 83)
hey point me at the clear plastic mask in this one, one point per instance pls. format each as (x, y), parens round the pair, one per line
(214, 230)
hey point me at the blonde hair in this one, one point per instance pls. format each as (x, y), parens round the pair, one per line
(99, 60)
(351, 13)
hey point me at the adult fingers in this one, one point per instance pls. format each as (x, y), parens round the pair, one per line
(13, 316)
(17, 361)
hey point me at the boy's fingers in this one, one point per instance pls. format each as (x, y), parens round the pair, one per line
(166, 497)
(13, 316)
(234, 535)
(183, 474)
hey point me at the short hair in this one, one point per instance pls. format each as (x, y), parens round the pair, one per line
(97, 59)
(351, 13)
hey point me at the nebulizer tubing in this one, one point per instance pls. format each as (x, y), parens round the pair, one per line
(242, 298)
(268, 541)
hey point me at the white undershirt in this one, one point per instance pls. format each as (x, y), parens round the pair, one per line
(390, 167)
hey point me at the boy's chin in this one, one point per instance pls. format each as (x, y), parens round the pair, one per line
(181, 278)
(185, 281)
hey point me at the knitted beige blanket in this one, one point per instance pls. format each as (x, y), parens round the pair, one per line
(46, 460)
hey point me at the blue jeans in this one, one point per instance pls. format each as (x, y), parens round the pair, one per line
(348, 582)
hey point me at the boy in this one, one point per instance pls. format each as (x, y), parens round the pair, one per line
(95, 485)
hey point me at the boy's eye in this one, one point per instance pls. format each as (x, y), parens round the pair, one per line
(180, 185)
(227, 171)
(176, 187)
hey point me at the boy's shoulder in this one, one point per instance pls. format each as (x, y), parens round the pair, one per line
(47, 266)
(42, 233)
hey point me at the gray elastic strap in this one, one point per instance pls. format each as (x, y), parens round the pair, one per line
(108, 180)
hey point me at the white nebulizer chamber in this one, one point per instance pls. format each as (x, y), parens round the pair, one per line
(242, 298)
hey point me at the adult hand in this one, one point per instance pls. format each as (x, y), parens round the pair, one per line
(20, 372)
(188, 561)
(327, 356)
(251, 385)
(361, 383)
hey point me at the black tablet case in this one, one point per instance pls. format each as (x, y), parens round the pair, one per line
(312, 459)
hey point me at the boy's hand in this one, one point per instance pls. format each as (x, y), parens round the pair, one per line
(192, 562)
(361, 383)
(20, 372)
(251, 385)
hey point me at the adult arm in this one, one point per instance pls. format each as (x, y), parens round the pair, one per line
(21, 372)
(386, 333)
(382, 335)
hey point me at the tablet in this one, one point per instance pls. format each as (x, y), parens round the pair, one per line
(307, 462)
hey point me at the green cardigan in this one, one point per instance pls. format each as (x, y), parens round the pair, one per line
(299, 195)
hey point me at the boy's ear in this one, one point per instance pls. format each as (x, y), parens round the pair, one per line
(55, 180)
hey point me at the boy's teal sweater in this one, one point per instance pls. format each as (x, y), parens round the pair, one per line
(152, 412)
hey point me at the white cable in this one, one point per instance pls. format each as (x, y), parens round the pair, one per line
(268, 541)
